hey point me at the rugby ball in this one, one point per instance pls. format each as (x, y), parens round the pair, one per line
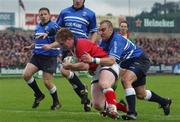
(70, 59)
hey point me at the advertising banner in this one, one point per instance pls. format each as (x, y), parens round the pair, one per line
(154, 24)
(33, 18)
(7, 18)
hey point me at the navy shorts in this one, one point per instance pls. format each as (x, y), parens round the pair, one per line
(139, 66)
(45, 63)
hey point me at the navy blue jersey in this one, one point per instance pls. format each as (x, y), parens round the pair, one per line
(50, 28)
(80, 22)
(120, 48)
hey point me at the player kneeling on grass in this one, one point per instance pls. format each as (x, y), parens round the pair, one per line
(103, 68)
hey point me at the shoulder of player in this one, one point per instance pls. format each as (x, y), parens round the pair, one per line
(66, 10)
(118, 39)
(83, 43)
(118, 36)
(89, 10)
(52, 23)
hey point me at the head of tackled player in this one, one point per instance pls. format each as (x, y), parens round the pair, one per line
(65, 38)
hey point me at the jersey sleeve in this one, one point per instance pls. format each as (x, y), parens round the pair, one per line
(59, 20)
(93, 24)
(117, 48)
(51, 29)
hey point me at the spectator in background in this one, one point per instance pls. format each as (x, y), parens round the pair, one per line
(160, 50)
(123, 26)
(43, 60)
(12, 44)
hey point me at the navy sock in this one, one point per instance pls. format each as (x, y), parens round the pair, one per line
(35, 88)
(131, 100)
(158, 99)
(77, 85)
(55, 97)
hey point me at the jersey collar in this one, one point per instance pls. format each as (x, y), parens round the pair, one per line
(44, 24)
(111, 37)
(77, 9)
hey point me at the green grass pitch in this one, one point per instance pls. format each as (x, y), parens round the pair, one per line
(16, 100)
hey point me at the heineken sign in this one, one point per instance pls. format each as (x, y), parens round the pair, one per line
(158, 23)
(154, 24)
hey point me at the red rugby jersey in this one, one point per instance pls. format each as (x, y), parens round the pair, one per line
(85, 45)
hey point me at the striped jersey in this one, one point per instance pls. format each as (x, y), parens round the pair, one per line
(50, 28)
(120, 48)
(80, 22)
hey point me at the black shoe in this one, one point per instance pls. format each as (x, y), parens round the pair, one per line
(85, 100)
(130, 116)
(56, 106)
(37, 100)
(112, 112)
(166, 107)
(87, 106)
(103, 113)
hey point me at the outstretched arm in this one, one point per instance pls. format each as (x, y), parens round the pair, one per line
(50, 46)
(80, 66)
(27, 48)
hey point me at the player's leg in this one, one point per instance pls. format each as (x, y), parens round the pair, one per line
(47, 78)
(30, 69)
(48, 66)
(79, 88)
(127, 79)
(136, 68)
(106, 81)
(98, 99)
(148, 95)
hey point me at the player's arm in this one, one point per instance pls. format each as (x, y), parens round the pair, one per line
(80, 66)
(93, 28)
(50, 46)
(26, 48)
(49, 31)
(106, 61)
(93, 36)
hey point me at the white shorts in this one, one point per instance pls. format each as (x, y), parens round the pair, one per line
(115, 69)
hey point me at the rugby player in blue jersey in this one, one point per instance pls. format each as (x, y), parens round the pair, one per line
(135, 64)
(81, 21)
(43, 60)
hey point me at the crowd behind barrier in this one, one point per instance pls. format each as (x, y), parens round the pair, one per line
(11, 48)
(160, 51)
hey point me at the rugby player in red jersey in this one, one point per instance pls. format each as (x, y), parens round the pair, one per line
(103, 68)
